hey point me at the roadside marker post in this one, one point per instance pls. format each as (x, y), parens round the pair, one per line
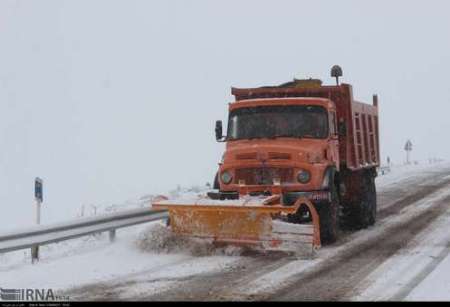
(408, 149)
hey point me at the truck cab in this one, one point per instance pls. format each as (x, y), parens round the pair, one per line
(287, 143)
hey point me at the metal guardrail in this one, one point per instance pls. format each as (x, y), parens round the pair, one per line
(41, 235)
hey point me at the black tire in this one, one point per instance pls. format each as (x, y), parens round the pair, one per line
(361, 214)
(346, 218)
(328, 216)
(328, 223)
(373, 201)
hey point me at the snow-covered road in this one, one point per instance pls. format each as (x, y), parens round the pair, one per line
(403, 257)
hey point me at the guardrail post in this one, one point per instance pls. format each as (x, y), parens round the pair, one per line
(34, 254)
(112, 235)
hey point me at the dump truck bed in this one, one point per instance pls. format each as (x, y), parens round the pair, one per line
(359, 144)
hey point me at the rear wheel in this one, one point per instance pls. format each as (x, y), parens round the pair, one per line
(362, 213)
(372, 200)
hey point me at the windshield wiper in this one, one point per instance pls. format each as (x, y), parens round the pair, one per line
(253, 137)
(300, 136)
(284, 136)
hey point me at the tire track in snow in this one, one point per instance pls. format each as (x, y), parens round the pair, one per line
(400, 275)
(108, 290)
(421, 276)
(206, 286)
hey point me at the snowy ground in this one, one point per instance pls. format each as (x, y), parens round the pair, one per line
(417, 272)
(93, 259)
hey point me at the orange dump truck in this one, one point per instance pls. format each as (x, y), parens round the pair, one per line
(297, 141)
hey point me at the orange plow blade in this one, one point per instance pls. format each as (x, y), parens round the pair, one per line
(250, 221)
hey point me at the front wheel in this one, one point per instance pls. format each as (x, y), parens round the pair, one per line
(328, 220)
(328, 215)
(328, 223)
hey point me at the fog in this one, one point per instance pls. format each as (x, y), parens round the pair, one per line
(111, 100)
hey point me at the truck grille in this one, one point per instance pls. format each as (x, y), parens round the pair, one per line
(263, 176)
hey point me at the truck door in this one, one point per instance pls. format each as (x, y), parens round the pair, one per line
(333, 145)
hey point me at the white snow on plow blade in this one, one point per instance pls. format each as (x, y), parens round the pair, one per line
(204, 200)
(283, 227)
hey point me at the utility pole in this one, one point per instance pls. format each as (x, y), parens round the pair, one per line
(408, 149)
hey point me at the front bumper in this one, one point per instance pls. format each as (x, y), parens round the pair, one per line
(314, 196)
(289, 198)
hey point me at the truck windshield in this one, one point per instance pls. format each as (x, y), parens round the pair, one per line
(278, 121)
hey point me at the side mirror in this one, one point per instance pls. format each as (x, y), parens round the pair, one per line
(219, 131)
(342, 129)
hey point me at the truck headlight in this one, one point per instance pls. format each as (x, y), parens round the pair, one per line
(304, 176)
(226, 177)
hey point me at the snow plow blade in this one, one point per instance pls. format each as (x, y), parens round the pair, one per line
(247, 221)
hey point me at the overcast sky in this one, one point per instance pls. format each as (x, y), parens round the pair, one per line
(110, 100)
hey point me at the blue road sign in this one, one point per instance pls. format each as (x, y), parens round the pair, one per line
(38, 189)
